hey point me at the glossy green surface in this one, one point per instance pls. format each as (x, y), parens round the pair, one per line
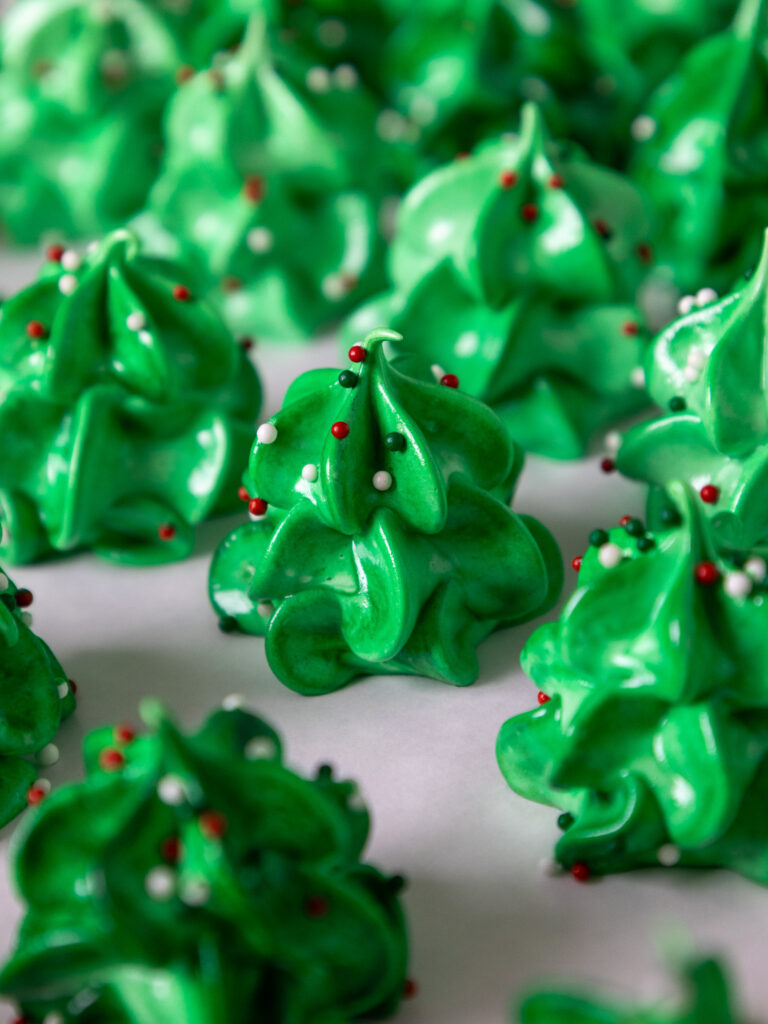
(271, 185)
(204, 883)
(712, 362)
(516, 268)
(374, 559)
(655, 736)
(82, 89)
(125, 413)
(705, 1000)
(705, 164)
(35, 696)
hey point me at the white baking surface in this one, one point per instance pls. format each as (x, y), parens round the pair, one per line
(485, 921)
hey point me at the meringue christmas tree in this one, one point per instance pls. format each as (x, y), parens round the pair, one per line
(204, 882)
(518, 267)
(82, 89)
(384, 541)
(707, 371)
(704, 161)
(35, 696)
(652, 734)
(126, 409)
(257, 162)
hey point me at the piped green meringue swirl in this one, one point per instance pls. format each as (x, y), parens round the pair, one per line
(517, 267)
(386, 544)
(35, 696)
(82, 90)
(704, 163)
(654, 741)
(126, 409)
(707, 371)
(204, 882)
(706, 1000)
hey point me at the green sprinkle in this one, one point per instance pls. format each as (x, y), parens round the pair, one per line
(348, 379)
(227, 624)
(670, 516)
(565, 821)
(395, 442)
(646, 543)
(635, 528)
(677, 404)
(598, 537)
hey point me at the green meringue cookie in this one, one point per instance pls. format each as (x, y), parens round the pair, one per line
(706, 1000)
(654, 739)
(516, 268)
(707, 371)
(82, 89)
(385, 542)
(269, 185)
(126, 409)
(204, 883)
(35, 696)
(704, 161)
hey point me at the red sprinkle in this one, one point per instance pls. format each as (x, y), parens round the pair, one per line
(111, 760)
(316, 907)
(181, 293)
(24, 598)
(543, 698)
(645, 252)
(529, 212)
(508, 179)
(35, 795)
(576, 563)
(602, 227)
(184, 73)
(707, 574)
(709, 493)
(54, 253)
(167, 531)
(410, 989)
(257, 507)
(581, 872)
(124, 734)
(170, 850)
(624, 520)
(340, 430)
(212, 824)
(449, 380)
(357, 354)
(243, 494)
(556, 181)
(246, 344)
(608, 465)
(231, 284)
(36, 330)
(253, 188)
(630, 328)
(72, 686)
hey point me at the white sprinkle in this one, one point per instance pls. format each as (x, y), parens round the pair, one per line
(4, 581)
(318, 79)
(49, 755)
(160, 883)
(260, 748)
(63, 690)
(609, 555)
(256, 518)
(195, 892)
(44, 785)
(612, 441)
(422, 109)
(309, 473)
(382, 480)
(260, 239)
(550, 867)
(26, 618)
(145, 337)
(67, 284)
(391, 126)
(757, 568)
(136, 321)
(267, 433)
(691, 374)
(637, 377)
(738, 585)
(668, 855)
(356, 802)
(334, 287)
(705, 295)
(643, 128)
(686, 304)
(233, 701)
(265, 609)
(437, 371)
(92, 247)
(70, 260)
(697, 359)
(53, 1018)
(332, 33)
(171, 790)
(346, 77)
